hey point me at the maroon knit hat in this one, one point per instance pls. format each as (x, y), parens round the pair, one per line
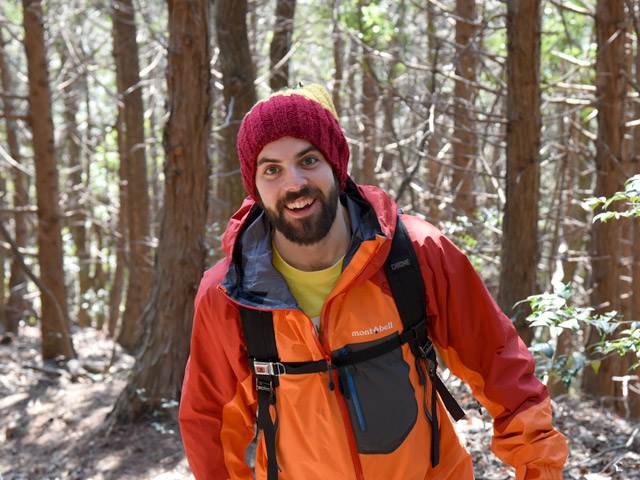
(306, 113)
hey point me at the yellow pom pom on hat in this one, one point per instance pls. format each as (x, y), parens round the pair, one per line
(312, 92)
(307, 113)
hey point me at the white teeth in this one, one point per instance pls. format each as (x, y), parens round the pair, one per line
(300, 204)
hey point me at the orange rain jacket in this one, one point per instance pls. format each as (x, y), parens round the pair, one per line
(318, 435)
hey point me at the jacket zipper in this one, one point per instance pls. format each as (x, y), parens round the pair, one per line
(344, 409)
(353, 393)
(342, 403)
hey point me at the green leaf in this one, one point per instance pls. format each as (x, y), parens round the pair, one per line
(594, 202)
(604, 216)
(572, 324)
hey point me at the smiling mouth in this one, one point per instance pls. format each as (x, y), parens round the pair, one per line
(300, 204)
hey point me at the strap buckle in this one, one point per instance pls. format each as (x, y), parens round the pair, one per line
(416, 331)
(429, 357)
(266, 385)
(426, 349)
(269, 368)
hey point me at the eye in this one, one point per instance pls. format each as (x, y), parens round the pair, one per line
(309, 161)
(270, 170)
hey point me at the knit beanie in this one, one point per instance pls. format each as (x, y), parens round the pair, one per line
(306, 113)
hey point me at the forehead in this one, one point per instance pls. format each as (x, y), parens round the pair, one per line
(285, 147)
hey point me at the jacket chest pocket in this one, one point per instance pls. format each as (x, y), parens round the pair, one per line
(380, 397)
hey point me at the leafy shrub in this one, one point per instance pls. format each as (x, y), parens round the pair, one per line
(631, 196)
(554, 312)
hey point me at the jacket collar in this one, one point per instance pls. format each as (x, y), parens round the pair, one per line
(252, 279)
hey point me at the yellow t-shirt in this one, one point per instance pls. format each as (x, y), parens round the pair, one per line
(310, 289)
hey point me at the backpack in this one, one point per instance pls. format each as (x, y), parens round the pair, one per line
(407, 286)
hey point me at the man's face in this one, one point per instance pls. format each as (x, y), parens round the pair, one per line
(298, 190)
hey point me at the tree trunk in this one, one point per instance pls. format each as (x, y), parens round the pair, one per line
(572, 239)
(117, 285)
(77, 192)
(465, 143)
(160, 366)
(56, 327)
(635, 169)
(338, 62)
(389, 134)
(369, 114)
(281, 44)
(17, 306)
(434, 141)
(351, 105)
(519, 238)
(125, 51)
(239, 96)
(3, 258)
(610, 92)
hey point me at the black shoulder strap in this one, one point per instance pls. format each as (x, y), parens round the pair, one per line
(407, 286)
(260, 340)
(259, 335)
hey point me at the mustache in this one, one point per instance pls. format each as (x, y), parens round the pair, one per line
(306, 191)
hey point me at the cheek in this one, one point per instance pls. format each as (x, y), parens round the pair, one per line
(265, 194)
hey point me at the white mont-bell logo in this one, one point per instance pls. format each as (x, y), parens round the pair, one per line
(372, 331)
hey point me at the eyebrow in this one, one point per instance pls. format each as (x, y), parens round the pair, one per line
(300, 154)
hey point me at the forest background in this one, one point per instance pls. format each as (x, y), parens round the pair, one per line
(494, 120)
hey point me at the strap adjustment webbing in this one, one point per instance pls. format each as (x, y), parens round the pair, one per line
(260, 339)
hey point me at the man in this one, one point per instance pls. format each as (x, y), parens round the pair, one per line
(308, 248)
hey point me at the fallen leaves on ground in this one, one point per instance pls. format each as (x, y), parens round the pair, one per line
(51, 423)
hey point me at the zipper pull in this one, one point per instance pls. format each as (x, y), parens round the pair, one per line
(332, 386)
(342, 379)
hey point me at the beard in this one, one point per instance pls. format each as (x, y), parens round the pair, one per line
(311, 229)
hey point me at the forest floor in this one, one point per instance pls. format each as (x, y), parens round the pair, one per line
(50, 423)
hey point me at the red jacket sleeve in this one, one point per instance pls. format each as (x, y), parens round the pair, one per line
(480, 345)
(218, 404)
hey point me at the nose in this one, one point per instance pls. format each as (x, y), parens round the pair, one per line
(295, 179)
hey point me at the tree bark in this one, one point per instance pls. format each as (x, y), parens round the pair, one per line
(573, 239)
(338, 62)
(117, 285)
(77, 191)
(16, 306)
(239, 96)
(605, 237)
(519, 237)
(140, 260)
(159, 369)
(56, 326)
(465, 143)
(3, 258)
(635, 228)
(434, 140)
(281, 44)
(389, 134)
(369, 115)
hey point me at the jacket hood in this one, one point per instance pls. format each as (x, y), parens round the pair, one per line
(252, 279)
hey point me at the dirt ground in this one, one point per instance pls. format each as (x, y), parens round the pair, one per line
(50, 424)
